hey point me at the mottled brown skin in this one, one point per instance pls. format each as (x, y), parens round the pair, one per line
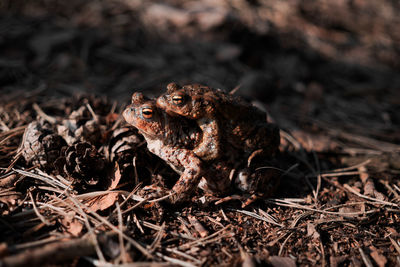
(172, 140)
(223, 118)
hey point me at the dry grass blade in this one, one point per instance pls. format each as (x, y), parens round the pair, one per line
(5, 136)
(60, 210)
(157, 240)
(291, 139)
(94, 115)
(182, 254)
(143, 201)
(350, 167)
(366, 141)
(395, 244)
(162, 198)
(386, 184)
(128, 197)
(267, 215)
(185, 226)
(42, 114)
(286, 203)
(215, 221)
(346, 186)
(49, 180)
(150, 225)
(40, 216)
(120, 237)
(283, 244)
(99, 193)
(206, 240)
(69, 206)
(157, 228)
(130, 240)
(175, 261)
(255, 215)
(52, 189)
(298, 218)
(135, 219)
(337, 174)
(135, 206)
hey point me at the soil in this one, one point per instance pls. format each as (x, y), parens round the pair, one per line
(327, 72)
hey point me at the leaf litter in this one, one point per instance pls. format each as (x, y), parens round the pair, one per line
(338, 203)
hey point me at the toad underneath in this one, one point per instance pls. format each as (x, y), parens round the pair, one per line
(173, 140)
(222, 118)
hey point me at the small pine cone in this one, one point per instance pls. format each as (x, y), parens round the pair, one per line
(126, 146)
(124, 143)
(84, 165)
(40, 145)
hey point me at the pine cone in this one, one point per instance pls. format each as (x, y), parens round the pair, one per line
(40, 145)
(84, 165)
(125, 145)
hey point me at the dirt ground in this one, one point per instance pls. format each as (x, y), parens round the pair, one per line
(327, 72)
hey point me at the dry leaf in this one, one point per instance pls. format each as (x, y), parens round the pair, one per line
(106, 201)
(103, 202)
(72, 225)
(116, 177)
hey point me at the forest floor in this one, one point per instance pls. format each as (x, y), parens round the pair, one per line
(334, 93)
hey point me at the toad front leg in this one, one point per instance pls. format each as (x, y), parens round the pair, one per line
(209, 148)
(189, 166)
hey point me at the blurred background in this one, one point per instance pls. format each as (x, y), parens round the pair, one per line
(314, 64)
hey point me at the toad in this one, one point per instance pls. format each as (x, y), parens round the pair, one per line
(222, 118)
(172, 140)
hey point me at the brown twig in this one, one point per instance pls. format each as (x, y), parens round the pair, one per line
(198, 226)
(51, 253)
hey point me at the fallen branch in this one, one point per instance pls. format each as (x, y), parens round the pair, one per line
(51, 253)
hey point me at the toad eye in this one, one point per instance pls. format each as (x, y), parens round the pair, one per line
(177, 99)
(147, 113)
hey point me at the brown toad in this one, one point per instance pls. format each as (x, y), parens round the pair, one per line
(223, 118)
(172, 140)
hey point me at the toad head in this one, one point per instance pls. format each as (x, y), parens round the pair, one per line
(189, 101)
(144, 115)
